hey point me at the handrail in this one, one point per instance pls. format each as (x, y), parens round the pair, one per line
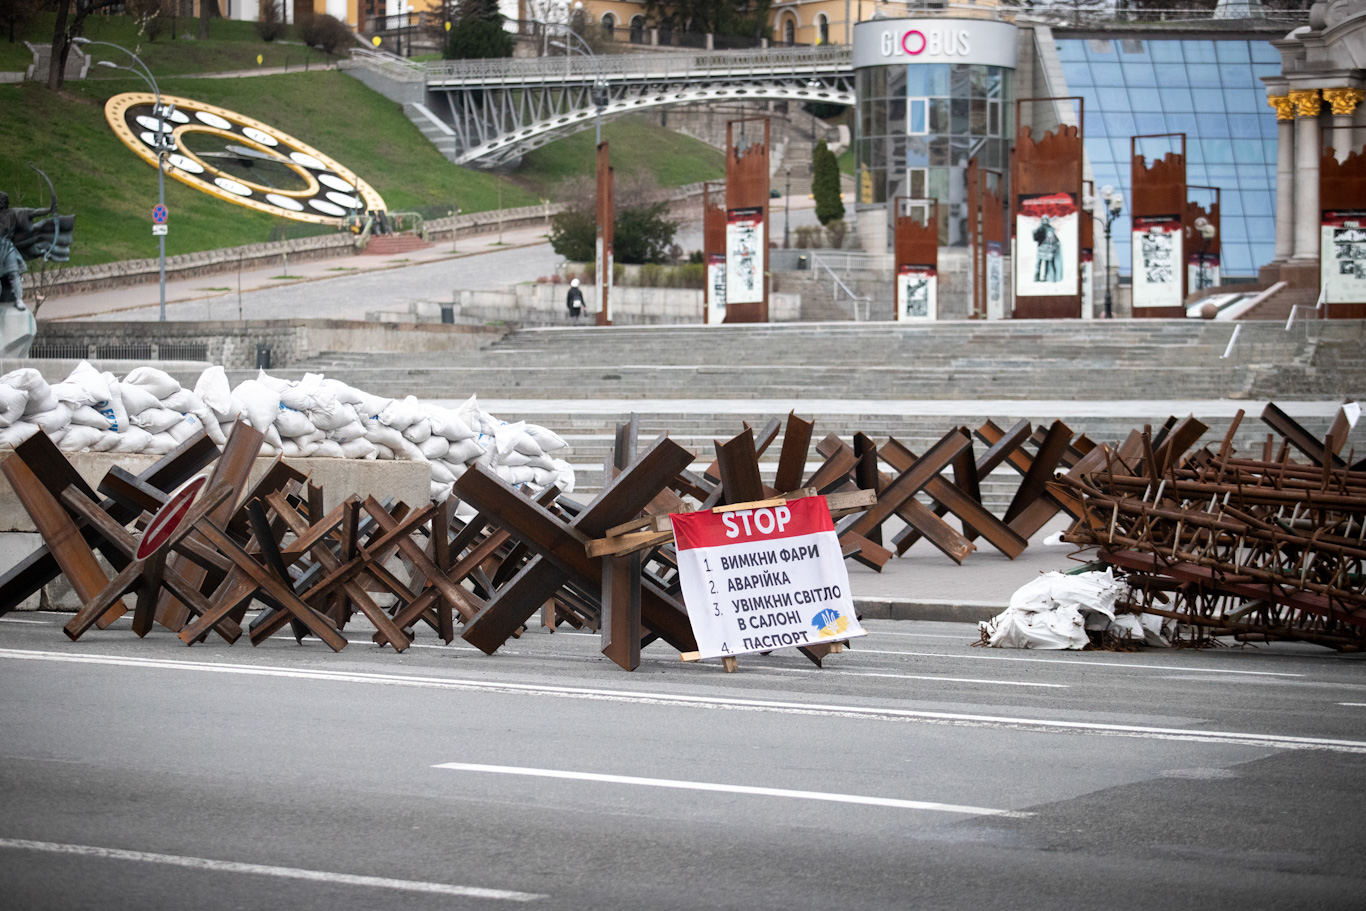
(816, 264)
(710, 63)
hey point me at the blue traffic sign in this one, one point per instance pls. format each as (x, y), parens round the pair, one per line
(159, 215)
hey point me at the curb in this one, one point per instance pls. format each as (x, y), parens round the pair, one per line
(942, 611)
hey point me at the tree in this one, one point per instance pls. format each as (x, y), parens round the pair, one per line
(271, 24)
(477, 32)
(731, 18)
(642, 232)
(207, 9)
(71, 16)
(19, 15)
(825, 184)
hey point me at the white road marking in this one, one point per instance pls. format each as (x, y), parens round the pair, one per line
(886, 632)
(1359, 705)
(1140, 667)
(729, 789)
(828, 673)
(227, 866)
(1278, 741)
(20, 620)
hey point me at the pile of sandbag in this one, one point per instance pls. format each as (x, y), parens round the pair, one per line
(1057, 611)
(314, 417)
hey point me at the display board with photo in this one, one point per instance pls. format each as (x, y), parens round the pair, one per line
(745, 255)
(1157, 261)
(1046, 245)
(916, 292)
(995, 277)
(716, 289)
(1342, 256)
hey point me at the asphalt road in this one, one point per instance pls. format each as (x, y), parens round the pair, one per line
(927, 774)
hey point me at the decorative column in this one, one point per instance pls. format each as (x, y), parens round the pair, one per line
(1307, 104)
(1344, 102)
(1285, 176)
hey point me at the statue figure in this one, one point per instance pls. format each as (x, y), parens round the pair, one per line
(1048, 259)
(26, 234)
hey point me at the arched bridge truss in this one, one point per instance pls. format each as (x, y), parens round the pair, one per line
(498, 110)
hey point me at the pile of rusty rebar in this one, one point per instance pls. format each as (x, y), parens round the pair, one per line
(1263, 547)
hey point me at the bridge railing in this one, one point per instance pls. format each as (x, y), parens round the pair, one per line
(673, 65)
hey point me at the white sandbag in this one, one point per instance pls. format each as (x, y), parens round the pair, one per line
(269, 451)
(136, 399)
(548, 440)
(526, 444)
(447, 424)
(515, 475)
(401, 414)
(134, 439)
(108, 442)
(184, 401)
(1062, 628)
(513, 459)
(160, 444)
(212, 427)
(79, 436)
(273, 439)
(87, 416)
(328, 449)
(16, 433)
(435, 447)
(214, 390)
(384, 436)
(543, 461)
(419, 431)
(408, 451)
(1082, 591)
(464, 451)
(506, 436)
(292, 423)
(273, 383)
(92, 385)
(260, 403)
(442, 472)
(157, 420)
(12, 403)
(382, 452)
(306, 394)
(185, 428)
(564, 476)
(543, 477)
(1125, 626)
(113, 407)
(340, 391)
(40, 397)
(53, 420)
(359, 448)
(364, 403)
(292, 448)
(439, 493)
(331, 415)
(347, 432)
(158, 382)
(457, 469)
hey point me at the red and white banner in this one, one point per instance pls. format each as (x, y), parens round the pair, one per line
(917, 292)
(1047, 231)
(755, 580)
(1342, 256)
(745, 255)
(1157, 260)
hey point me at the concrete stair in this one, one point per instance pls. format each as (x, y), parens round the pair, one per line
(394, 244)
(438, 133)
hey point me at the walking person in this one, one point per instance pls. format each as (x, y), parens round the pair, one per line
(574, 301)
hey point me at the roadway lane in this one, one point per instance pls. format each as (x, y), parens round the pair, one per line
(931, 774)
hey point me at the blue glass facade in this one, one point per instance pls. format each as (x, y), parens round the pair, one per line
(1209, 90)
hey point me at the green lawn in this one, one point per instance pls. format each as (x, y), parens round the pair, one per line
(112, 191)
(231, 46)
(846, 161)
(636, 145)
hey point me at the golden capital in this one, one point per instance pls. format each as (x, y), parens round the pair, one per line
(1344, 100)
(1284, 109)
(1306, 101)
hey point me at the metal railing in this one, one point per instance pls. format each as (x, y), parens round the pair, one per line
(861, 303)
(391, 65)
(776, 61)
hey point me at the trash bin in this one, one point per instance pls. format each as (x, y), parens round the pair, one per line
(802, 264)
(262, 357)
(448, 314)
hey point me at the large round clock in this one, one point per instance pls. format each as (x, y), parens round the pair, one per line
(242, 160)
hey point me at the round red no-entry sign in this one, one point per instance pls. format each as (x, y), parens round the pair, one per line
(168, 519)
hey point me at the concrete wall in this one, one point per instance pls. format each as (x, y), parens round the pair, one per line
(544, 303)
(233, 343)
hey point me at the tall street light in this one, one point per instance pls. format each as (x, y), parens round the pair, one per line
(164, 144)
(787, 206)
(1113, 202)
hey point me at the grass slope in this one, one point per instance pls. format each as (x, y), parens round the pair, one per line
(636, 144)
(112, 191)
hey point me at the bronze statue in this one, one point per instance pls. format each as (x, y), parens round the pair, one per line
(26, 234)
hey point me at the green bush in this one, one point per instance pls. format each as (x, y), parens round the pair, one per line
(327, 33)
(825, 184)
(271, 24)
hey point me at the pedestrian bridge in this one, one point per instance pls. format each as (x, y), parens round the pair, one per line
(486, 113)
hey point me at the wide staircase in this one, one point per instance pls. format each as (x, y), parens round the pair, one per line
(912, 382)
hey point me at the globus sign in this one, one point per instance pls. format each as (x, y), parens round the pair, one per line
(884, 42)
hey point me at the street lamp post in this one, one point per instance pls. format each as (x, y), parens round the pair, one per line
(1206, 230)
(164, 144)
(787, 206)
(1113, 202)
